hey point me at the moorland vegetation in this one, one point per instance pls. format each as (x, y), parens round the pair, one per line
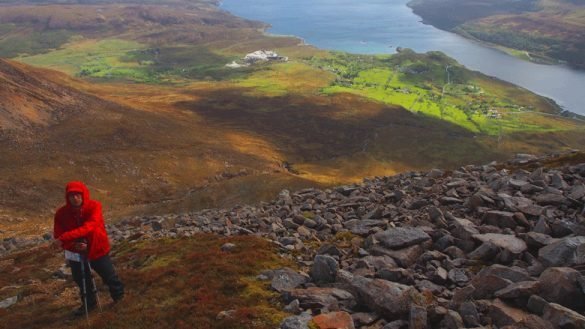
(153, 120)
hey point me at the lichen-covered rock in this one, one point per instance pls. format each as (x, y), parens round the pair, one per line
(385, 297)
(401, 237)
(317, 298)
(334, 320)
(296, 322)
(285, 279)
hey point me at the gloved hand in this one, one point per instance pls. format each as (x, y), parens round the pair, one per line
(80, 247)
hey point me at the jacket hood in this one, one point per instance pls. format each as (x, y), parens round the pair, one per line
(79, 187)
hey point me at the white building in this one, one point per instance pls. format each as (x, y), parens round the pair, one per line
(264, 55)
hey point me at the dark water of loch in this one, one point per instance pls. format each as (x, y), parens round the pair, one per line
(379, 26)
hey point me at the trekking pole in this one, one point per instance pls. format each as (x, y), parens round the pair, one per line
(97, 292)
(84, 289)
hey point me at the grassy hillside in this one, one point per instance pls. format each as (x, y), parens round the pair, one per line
(541, 31)
(182, 283)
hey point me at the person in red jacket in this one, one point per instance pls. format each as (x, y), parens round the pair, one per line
(79, 229)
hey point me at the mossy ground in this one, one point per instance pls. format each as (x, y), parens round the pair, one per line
(179, 283)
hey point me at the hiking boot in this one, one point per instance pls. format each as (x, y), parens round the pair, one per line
(81, 310)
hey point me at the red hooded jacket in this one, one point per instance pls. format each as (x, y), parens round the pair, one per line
(85, 222)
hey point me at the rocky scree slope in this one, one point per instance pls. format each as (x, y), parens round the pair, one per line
(480, 246)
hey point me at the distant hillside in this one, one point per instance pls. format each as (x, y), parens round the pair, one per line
(448, 14)
(543, 30)
(33, 97)
(28, 28)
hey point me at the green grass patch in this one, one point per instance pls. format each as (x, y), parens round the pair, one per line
(6, 28)
(279, 79)
(90, 58)
(30, 43)
(116, 59)
(436, 86)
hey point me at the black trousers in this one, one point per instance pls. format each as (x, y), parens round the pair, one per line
(104, 267)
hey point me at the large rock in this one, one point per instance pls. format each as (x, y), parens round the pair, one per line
(565, 252)
(504, 315)
(330, 299)
(286, 279)
(362, 319)
(364, 227)
(452, 320)
(396, 324)
(399, 275)
(417, 318)
(503, 219)
(487, 251)
(514, 274)
(324, 269)
(487, 285)
(561, 285)
(537, 240)
(388, 298)
(334, 320)
(458, 276)
(296, 322)
(550, 199)
(504, 241)
(530, 209)
(404, 257)
(469, 314)
(463, 228)
(378, 262)
(521, 289)
(461, 295)
(577, 192)
(6, 303)
(166, 223)
(562, 317)
(533, 322)
(401, 237)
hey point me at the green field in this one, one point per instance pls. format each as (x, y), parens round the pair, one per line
(126, 60)
(436, 86)
(16, 44)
